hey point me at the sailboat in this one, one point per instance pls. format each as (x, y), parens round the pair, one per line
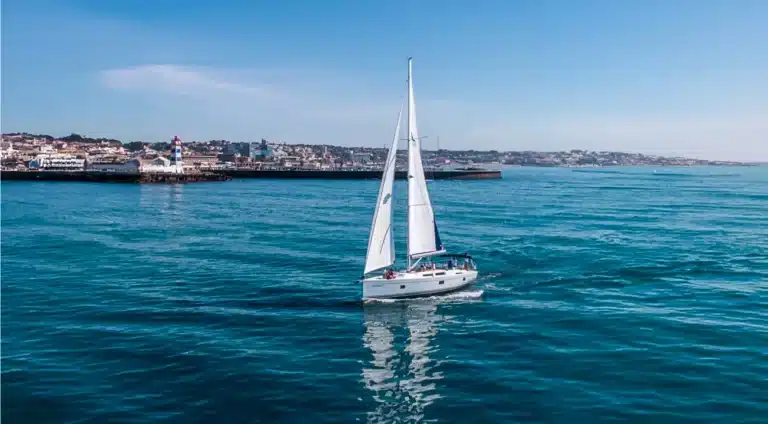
(422, 276)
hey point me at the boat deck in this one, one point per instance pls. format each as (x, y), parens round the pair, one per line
(430, 273)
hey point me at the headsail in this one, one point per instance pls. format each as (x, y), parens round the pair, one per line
(381, 247)
(423, 236)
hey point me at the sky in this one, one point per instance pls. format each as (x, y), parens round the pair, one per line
(673, 77)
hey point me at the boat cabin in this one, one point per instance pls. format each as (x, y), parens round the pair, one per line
(446, 261)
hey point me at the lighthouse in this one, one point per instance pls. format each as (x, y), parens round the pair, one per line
(176, 163)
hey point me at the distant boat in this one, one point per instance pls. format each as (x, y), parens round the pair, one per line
(422, 276)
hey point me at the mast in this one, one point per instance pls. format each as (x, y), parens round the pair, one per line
(408, 172)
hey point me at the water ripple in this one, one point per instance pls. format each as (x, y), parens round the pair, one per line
(605, 295)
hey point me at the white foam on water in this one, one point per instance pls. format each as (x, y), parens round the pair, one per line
(459, 295)
(490, 276)
(468, 294)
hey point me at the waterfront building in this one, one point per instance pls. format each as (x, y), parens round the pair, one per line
(250, 150)
(290, 161)
(57, 162)
(200, 161)
(265, 150)
(240, 148)
(131, 166)
(158, 165)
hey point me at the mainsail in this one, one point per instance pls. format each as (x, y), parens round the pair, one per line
(423, 236)
(381, 247)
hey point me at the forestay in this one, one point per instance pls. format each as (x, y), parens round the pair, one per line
(381, 247)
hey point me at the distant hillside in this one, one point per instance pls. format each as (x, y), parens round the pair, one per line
(575, 157)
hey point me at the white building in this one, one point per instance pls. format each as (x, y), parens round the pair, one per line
(290, 161)
(160, 165)
(6, 149)
(134, 166)
(131, 166)
(57, 162)
(47, 149)
(200, 161)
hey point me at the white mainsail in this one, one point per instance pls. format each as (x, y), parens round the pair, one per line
(381, 247)
(423, 237)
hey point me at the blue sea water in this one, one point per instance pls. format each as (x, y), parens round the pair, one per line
(606, 295)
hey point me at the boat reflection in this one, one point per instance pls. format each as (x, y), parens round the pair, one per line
(401, 375)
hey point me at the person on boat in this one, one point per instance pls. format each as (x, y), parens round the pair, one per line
(389, 274)
(449, 265)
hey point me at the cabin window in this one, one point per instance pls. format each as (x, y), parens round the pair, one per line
(464, 279)
(441, 282)
(426, 275)
(403, 286)
(439, 273)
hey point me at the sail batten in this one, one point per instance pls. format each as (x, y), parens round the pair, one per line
(381, 246)
(423, 236)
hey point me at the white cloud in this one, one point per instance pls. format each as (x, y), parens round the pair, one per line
(178, 80)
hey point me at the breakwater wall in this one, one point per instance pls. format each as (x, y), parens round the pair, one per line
(360, 175)
(112, 177)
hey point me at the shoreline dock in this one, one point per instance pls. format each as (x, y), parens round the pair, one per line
(475, 174)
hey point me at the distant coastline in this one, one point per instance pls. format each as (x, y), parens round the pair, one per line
(639, 165)
(19, 150)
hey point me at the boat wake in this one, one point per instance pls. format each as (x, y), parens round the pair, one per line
(490, 276)
(463, 295)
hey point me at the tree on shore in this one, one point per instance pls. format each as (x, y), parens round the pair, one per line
(134, 146)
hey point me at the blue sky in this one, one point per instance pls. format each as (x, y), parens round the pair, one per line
(687, 77)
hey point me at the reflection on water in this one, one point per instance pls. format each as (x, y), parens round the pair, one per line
(166, 198)
(177, 190)
(401, 375)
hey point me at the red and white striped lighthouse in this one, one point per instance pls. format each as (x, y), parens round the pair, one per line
(176, 159)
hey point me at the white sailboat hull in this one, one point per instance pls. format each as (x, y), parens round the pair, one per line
(418, 283)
